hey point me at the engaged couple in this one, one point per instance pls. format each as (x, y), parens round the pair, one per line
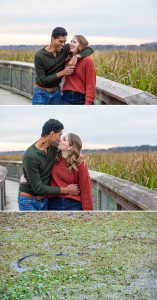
(55, 176)
(69, 61)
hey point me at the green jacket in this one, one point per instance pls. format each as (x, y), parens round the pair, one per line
(37, 170)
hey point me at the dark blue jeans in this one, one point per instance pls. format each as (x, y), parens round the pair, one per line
(72, 98)
(58, 203)
(26, 203)
(41, 97)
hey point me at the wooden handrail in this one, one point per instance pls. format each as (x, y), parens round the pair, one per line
(107, 91)
(128, 195)
(111, 92)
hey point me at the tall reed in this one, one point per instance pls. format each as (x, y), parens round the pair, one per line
(138, 167)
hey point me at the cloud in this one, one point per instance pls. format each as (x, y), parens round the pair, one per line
(120, 19)
(109, 125)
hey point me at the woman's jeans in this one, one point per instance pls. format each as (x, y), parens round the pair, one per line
(57, 203)
(26, 203)
(72, 98)
(41, 97)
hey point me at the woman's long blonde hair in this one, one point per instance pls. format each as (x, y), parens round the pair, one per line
(74, 154)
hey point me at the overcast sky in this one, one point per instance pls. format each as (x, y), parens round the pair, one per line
(102, 126)
(102, 21)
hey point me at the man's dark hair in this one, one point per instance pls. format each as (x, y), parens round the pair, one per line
(51, 125)
(58, 31)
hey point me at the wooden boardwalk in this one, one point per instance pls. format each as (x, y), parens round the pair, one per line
(11, 195)
(10, 98)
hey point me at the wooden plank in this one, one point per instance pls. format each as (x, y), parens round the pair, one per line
(139, 196)
(123, 93)
(16, 63)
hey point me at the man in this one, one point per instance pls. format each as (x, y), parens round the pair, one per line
(37, 163)
(50, 68)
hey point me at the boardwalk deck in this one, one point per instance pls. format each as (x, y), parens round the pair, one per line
(9, 98)
(11, 195)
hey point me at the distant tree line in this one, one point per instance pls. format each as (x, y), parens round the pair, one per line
(142, 148)
(147, 46)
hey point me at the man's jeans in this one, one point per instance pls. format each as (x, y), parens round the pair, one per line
(26, 203)
(72, 98)
(41, 97)
(57, 203)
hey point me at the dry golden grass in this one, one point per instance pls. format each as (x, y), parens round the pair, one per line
(138, 167)
(10, 157)
(134, 68)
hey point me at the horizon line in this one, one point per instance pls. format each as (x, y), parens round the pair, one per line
(127, 146)
(98, 44)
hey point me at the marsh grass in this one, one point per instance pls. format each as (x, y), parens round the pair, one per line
(137, 69)
(138, 167)
(105, 255)
(17, 55)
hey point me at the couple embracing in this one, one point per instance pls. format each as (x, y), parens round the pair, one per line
(69, 61)
(55, 176)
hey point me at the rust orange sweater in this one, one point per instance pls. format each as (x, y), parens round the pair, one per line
(83, 80)
(61, 177)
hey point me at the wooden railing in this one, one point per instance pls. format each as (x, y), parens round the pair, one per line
(109, 192)
(111, 92)
(14, 169)
(3, 173)
(20, 77)
(123, 194)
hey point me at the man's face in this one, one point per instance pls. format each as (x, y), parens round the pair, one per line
(58, 43)
(55, 138)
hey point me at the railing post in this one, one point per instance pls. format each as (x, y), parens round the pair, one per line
(99, 199)
(20, 79)
(118, 206)
(1, 199)
(4, 194)
(32, 82)
(1, 73)
(11, 76)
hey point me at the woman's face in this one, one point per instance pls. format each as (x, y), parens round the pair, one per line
(64, 144)
(74, 44)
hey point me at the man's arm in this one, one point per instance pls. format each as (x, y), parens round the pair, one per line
(43, 78)
(86, 52)
(33, 178)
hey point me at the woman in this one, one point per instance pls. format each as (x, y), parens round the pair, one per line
(70, 168)
(79, 87)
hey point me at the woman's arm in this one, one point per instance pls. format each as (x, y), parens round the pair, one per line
(85, 187)
(90, 79)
